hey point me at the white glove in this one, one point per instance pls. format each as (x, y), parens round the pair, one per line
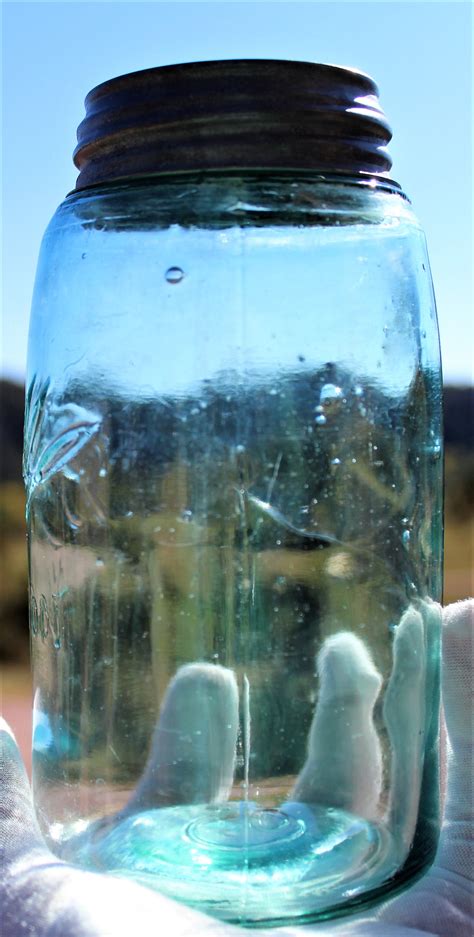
(43, 897)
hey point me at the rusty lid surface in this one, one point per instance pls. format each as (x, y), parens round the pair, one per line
(237, 114)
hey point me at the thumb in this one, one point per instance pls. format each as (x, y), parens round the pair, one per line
(455, 852)
(19, 831)
(44, 897)
(442, 901)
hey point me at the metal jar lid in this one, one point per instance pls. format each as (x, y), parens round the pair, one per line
(238, 114)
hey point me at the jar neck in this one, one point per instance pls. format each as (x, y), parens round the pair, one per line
(225, 200)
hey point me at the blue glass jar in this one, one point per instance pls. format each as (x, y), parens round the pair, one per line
(233, 469)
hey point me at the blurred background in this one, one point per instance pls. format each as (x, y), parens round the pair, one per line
(420, 54)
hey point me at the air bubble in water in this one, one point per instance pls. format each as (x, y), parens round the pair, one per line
(406, 537)
(102, 472)
(320, 420)
(174, 275)
(335, 461)
(57, 643)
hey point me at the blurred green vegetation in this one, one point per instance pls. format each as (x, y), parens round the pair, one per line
(459, 514)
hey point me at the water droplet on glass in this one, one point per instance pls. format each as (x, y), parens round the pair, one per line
(57, 643)
(406, 537)
(174, 275)
(320, 420)
(335, 461)
(102, 472)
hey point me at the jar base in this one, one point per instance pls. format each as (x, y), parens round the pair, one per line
(244, 863)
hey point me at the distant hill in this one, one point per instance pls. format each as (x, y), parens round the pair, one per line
(12, 405)
(459, 435)
(459, 417)
(458, 428)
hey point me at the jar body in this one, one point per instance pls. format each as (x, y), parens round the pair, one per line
(233, 469)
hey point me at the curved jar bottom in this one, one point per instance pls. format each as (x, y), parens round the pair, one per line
(242, 863)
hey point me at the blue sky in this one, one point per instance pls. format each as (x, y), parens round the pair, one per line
(418, 52)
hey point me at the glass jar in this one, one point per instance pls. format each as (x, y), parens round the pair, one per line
(233, 470)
